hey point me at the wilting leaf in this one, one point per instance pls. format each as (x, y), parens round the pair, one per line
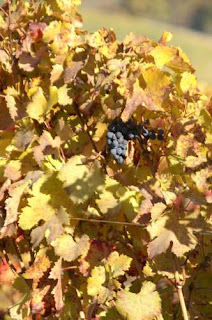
(36, 271)
(71, 71)
(12, 203)
(56, 274)
(11, 94)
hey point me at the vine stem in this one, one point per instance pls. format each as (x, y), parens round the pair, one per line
(179, 288)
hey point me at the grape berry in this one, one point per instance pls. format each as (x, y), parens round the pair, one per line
(119, 133)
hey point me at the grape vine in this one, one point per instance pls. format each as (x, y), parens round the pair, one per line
(105, 172)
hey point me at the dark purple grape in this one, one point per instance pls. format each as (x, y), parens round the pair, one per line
(160, 132)
(115, 143)
(110, 134)
(120, 140)
(120, 160)
(124, 130)
(119, 151)
(145, 133)
(124, 152)
(160, 137)
(113, 151)
(125, 142)
(131, 135)
(152, 135)
(109, 141)
(119, 134)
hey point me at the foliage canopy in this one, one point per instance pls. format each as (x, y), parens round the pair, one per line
(83, 235)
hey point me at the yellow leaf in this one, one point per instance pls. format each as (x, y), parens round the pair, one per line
(38, 209)
(166, 37)
(107, 203)
(100, 131)
(63, 97)
(37, 107)
(145, 305)
(157, 210)
(56, 72)
(117, 264)
(95, 286)
(162, 55)
(70, 250)
(79, 181)
(188, 82)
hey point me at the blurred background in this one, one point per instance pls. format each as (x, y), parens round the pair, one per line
(190, 21)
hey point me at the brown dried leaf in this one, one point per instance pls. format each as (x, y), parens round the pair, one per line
(56, 274)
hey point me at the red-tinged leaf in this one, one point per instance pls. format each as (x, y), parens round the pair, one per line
(6, 274)
(36, 30)
(71, 71)
(56, 273)
(138, 98)
(37, 302)
(29, 62)
(36, 271)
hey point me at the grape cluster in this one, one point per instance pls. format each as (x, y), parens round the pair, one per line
(151, 134)
(119, 133)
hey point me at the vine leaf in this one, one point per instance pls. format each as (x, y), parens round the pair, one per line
(37, 270)
(69, 249)
(47, 196)
(47, 145)
(12, 203)
(79, 181)
(95, 286)
(11, 94)
(117, 264)
(56, 274)
(39, 106)
(51, 229)
(144, 305)
(13, 170)
(169, 229)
